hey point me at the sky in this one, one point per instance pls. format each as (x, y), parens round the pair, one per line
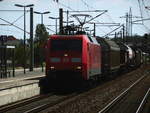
(115, 8)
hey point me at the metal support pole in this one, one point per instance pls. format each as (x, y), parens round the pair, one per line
(31, 41)
(123, 33)
(94, 34)
(41, 14)
(131, 25)
(5, 62)
(24, 40)
(61, 20)
(127, 28)
(67, 17)
(41, 18)
(13, 62)
(24, 57)
(56, 26)
(115, 36)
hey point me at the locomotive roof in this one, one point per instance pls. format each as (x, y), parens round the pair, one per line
(65, 36)
(91, 39)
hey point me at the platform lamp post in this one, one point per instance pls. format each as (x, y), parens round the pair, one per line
(24, 6)
(55, 22)
(41, 13)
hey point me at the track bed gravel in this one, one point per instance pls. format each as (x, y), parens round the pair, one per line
(131, 101)
(95, 99)
(146, 107)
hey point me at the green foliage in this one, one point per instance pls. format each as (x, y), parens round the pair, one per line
(19, 55)
(41, 36)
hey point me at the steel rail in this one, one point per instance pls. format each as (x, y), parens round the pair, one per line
(23, 102)
(143, 102)
(11, 106)
(50, 104)
(113, 102)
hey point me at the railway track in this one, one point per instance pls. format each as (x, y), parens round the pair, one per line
(36, 104)
(15, 105)
(144, 107)
(52, 102)
(131, 100)
(93, 100)
(48, 105)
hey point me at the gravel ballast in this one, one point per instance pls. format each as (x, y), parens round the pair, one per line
(95, 99)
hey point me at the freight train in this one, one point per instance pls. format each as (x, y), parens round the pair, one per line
(82, 58)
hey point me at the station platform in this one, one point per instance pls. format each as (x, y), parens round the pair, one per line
(21, 86)
(19, 75)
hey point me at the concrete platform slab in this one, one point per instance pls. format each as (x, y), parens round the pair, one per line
(37, 73)
(15, 91)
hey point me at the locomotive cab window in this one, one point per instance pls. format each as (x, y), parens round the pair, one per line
(69, 45)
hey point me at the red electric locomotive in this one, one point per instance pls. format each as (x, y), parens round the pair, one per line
(72, 57)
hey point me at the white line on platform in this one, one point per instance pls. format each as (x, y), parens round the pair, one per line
(19, 79)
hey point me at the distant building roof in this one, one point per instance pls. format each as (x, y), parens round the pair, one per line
(11, 38)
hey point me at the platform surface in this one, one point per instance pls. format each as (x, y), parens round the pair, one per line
(20, 76)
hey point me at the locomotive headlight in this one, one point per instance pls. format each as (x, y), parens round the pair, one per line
(79, 67)
(52, 67)
(65, 55)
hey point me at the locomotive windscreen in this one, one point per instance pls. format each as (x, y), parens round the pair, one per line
(69, 45)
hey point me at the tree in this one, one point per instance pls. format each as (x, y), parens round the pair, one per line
(41, 36)
(19, 54)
